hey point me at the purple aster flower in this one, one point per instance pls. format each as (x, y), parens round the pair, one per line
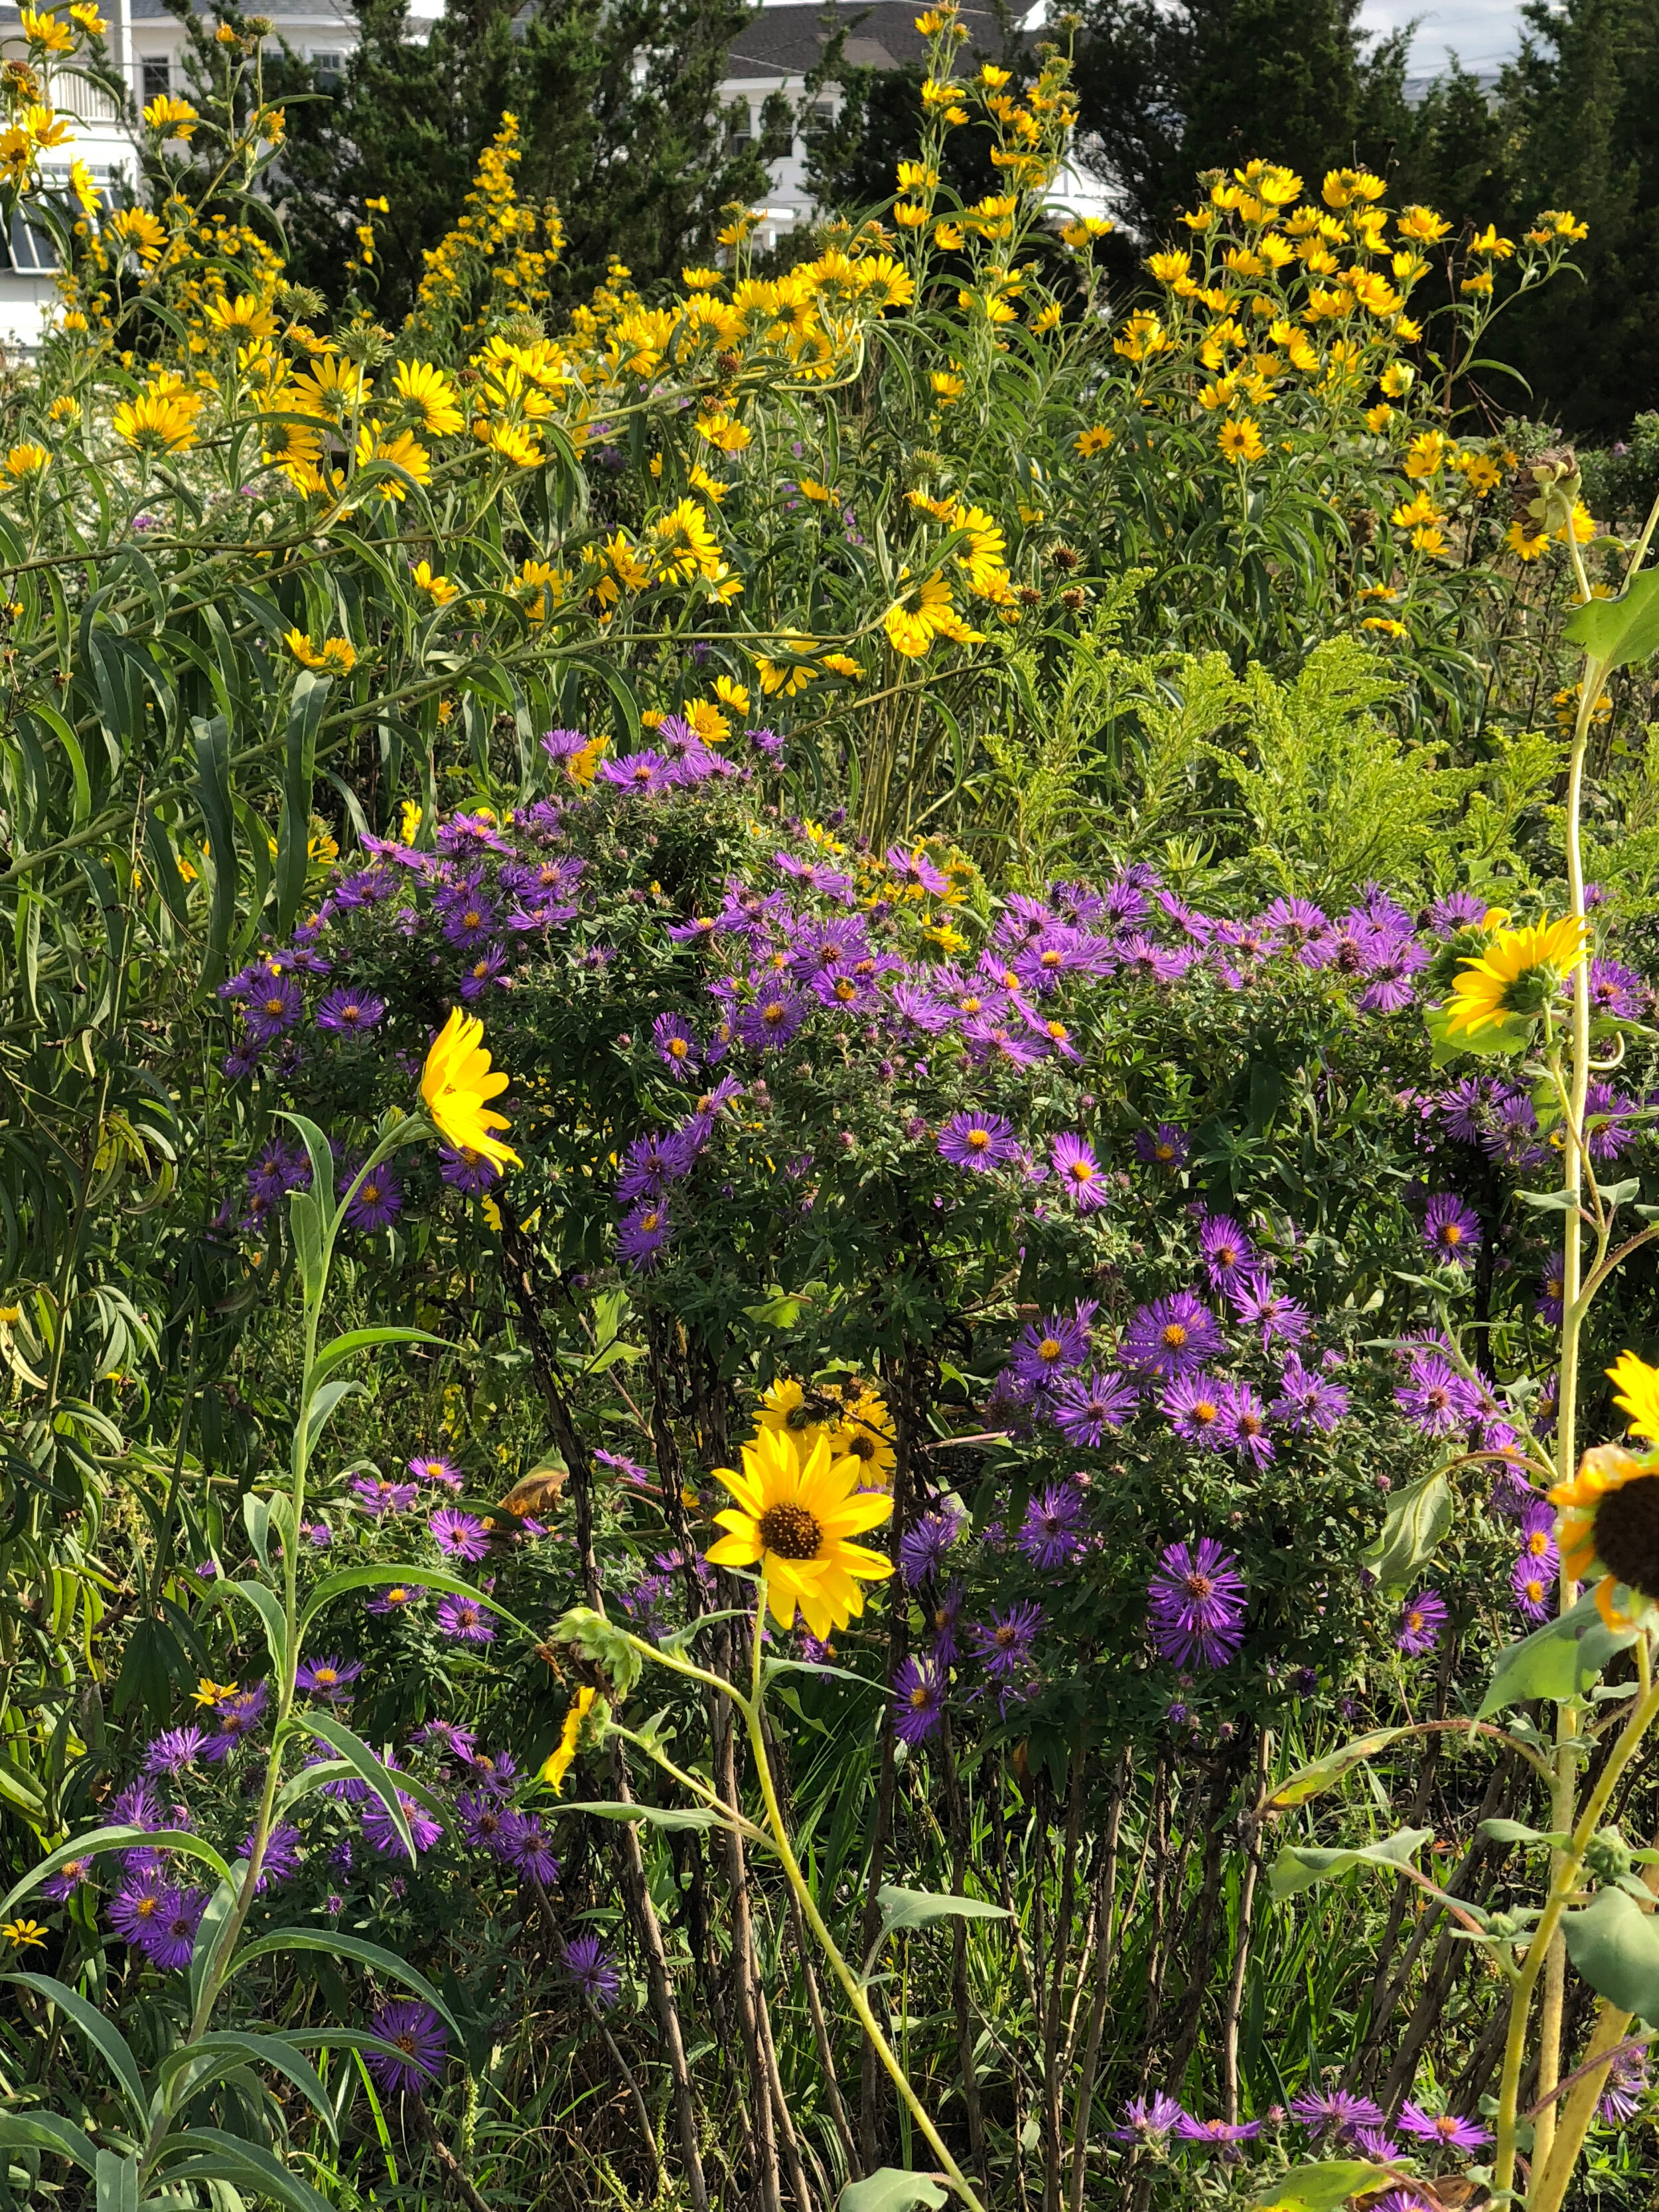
(380, 1831)
(495, 1770)
(232, 1719)
(945, 1619)
(70, 1877)
(642, 1235)
(173, 1750)
(1085, 1406)
(466, 1619)
(525, 1846)
(1259, 1306)
(348, 1013)
(1079, 1172)
(1616, 991)
(1335, 2113)
(1050, 1535)
(1306, 1400)
(1465, 1109)
(488, 968)
(1538, 1532)
(774, 1018)
(275, 1005)
(377, 1201)
(1446, 916)
(675, 1044)
(466, 1171)
(1149, 2120)
(919, 1690)
(592, 1968)
(1532, 1583)
(169, 1939)
(461, 1534)
(977, 1140)
(377, 1497)
(1194, 1404)
(1164, 1146)
(1196, 1605)
(1171, 1336)
(444, 1471)
(649, 1163)
(1552, 1293)
(1378, 2143)
(1436, 1397)
(139, 1903)
(1446, 2129)
(1227, 1250)
(396, 1597)
(922, 1546)
(1420, 1624)
(1047, 1349)
(1005, 1642)
(1296, 923)
(1220, 2132)
(1243, 1427)
(1623, 2086)
(1450, 1230)
(641, 776)
(282, 1857)
(481, 1817)
(279, 1169)
(330, 1679)
(468, 914)
(419, 2044)
(1610, 1130)
(447, 1738)
(1511, 1136)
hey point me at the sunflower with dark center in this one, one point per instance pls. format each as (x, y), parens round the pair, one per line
(797, 1505)
(1610, 1510)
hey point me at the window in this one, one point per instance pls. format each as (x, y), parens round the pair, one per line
(30, 251)
(740, 123)
(328, 68)
(158, 79)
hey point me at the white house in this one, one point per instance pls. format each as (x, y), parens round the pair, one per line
(775, 52)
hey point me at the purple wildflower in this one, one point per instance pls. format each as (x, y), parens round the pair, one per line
(330, 1680)
(1165, 1147)
(592, 1968)
(1306, 1400)
(1005, 1642)
(642, 1235)
(1243, 1425)
(274, 1007)
(1079, 1172)
(1149, 2120)
(466, 1171)
(396, 1597)
(1335, 2113)
(525, 1846)
(1449, 2130)
(1047, 1349)
(1533, 1585)
(676, 1045)
(380, 1831)
(1279, 1317)
(1420, 1623)
(1436, 1397)
(1171, 1336)
(168, 1940)
(466, 1618)
(481, 1817)
(977, 1140)
(173, 1750)
(1222, 2132)
(233, 1718)
(444, 1471)
(922, 1546)
(1196, 1603)
(377, 1201)
(461, 1534)
(418, 2039)
(281, 1855)
(1194, 1404)
(1085, 1406)
(918, 1701)
(945, 1619)
(1450, 1230)
(138, 1904)
(1050, 1535)
(349, 1013)
(1623, 2086)
(1227, 1251)
(377, 1497)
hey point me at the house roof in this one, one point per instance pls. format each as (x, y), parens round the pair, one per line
(880, 35)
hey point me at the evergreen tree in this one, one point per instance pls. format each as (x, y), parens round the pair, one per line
(617, 105)
(1168, 87)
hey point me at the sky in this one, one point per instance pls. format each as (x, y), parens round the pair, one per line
(1483, 33)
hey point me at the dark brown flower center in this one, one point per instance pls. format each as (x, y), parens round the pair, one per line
(1627, 1534)
(862, 1446)
(790, 1531)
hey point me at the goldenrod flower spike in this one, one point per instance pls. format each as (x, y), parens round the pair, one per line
(456, 1082)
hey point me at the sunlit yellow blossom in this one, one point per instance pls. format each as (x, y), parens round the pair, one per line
(1425, 456)
(1525, 542)
(724, 431)
(170, 118)
(514, 441)
(948, 386)
(925, 611)
(687, 547)
(25, 461)
(24, 1935)
(138, 228)
(731, 694)
(707, 724)
(438, 589)
(1094, 439)
(1241, 440)
(794, 1516)
(1422, 225)
(559, 1761)
(46, 32)
(336, 656)
(1516, 977)
(1380, 417)
(427, 393)
(158, 422)
(85, 13)
(458, 1082)
(242, 317)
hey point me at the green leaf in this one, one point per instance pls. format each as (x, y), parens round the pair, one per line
(1415, 1521)
(657, 1816)
(1517, 1832)
(1322, 2187)
(921, 1908)
(1558, 1661)
(116, 2177)
(360, 1340)
(320, 1153)
(1299, 1866)
(246, 2047)
(264, 1603)
(232, 2158)
(1619, 632)
(46, 2132)
(340, 1585)
(362, 1760)
(1550, 1201)
(307, 1230)
(101, 2032)
(889, 2190)
(117, 1839)
(1506, 1037)
(1312, 1780)
(1615, 1947)
(338, 1945)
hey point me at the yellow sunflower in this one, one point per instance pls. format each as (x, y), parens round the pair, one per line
(455, 1083)
(795, 1511)
(1516, 977)
(1609, 1512)
(865, 1431)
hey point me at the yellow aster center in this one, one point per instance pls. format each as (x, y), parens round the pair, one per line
(919, 1696)
(790, 1531)
(1174, 1335)
(324, 1674)
(1452, 1233)
(1050, 1348)
(978, 1140)
(1163, 1152)
(677, 1048)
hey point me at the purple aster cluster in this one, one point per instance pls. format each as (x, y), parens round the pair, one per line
(1195, 1605)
